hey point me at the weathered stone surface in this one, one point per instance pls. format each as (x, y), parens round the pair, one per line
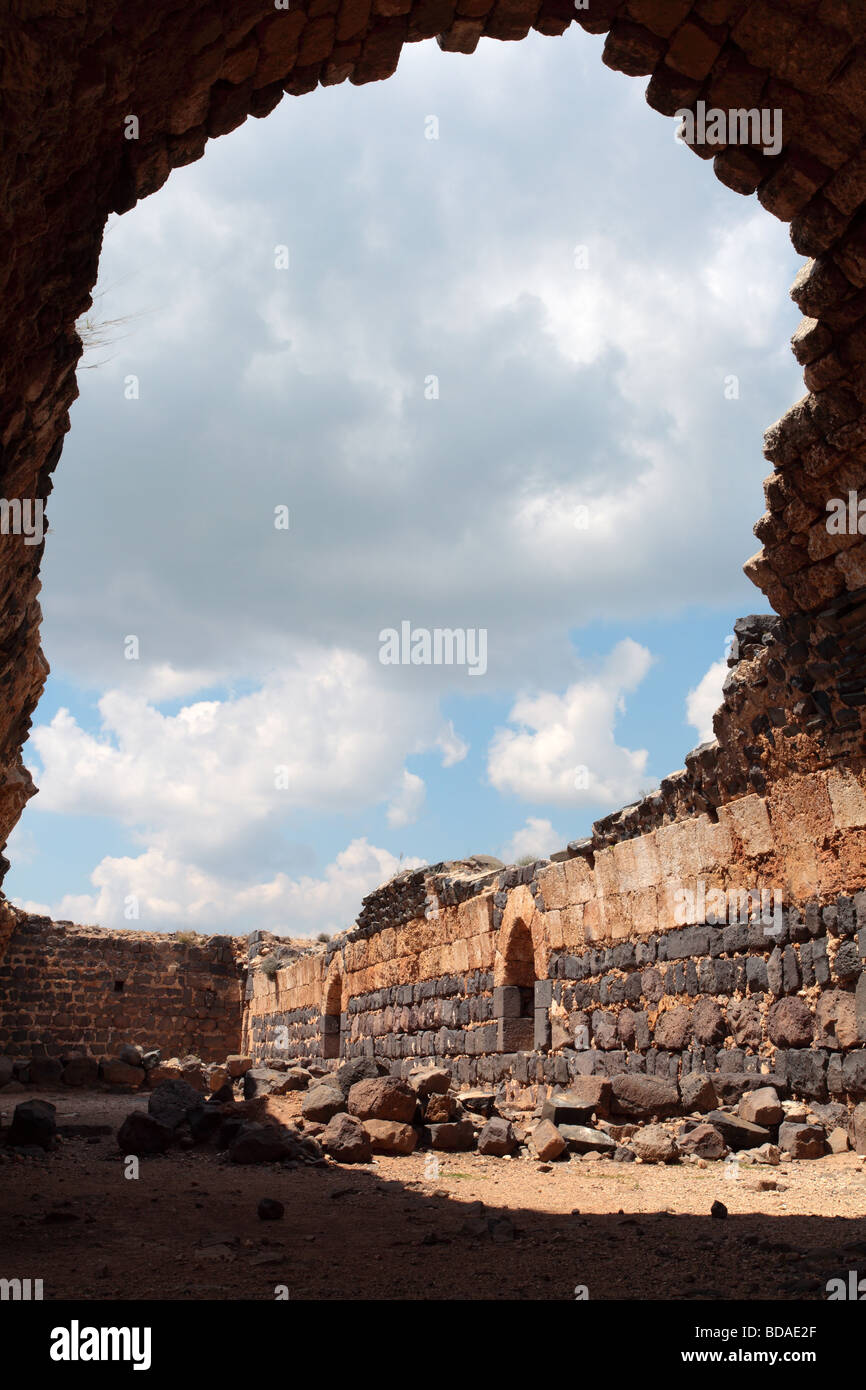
(802, 1141)
(390, 1136)
(362, 1069)
(34, 1124)
(762, 1107)
(497, 1137)
(258, 1143)
(81, 1071)
(583, 1139)
(697, 1092)
(653, 1144)
(549, 1144)
(321, 1103)
(704, 1140)
(858, 1128)
(440, 1108)
(452, 1137)
(142, 1134)
(346, 1140)
(236, 1065)
(264, 1081)
(643, 1097)
(789, 1023)
(738, 1133)
(385, 1098)
(171, 1102)
(567, 1107)
(116, 1073)
(427, 1080)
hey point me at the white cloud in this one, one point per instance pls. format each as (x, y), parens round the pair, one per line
(564, 750)
(705, 699)
(171, 893)
(536, 838)
(452, 747)
(405, 806)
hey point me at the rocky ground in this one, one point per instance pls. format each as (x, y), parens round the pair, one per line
(417, 1226)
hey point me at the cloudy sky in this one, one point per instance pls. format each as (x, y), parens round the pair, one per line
(510, 380)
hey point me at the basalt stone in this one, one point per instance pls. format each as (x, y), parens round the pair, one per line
(652, 985)
(452, 1137)
(758, 975)
(171, 1102)
(258, 1143)
(583, 1139)
(738, 1133)
(761, 1107)
(674, 1029)
(805, 1071)
(34, 1125)
(697, 1092)
(744, 1020)
(847, 964)
(708, 1022)
(789, 1023)
(142, 1134)
(497, 1138)
(362, 1069)
(802, 1141)
(704, 1140)
(45, 1072)
(653, 1144)
(321, 1103)
(854, 1073)
(643, 1097)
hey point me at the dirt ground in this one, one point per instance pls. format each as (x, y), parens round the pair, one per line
(187, 1227)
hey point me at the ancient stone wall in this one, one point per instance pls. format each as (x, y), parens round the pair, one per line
(67, 988)
(734, 942)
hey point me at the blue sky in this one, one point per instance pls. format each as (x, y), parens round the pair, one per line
(584, 292)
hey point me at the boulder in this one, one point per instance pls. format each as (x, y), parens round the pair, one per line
(703, 1140)
(130, 1054)
(142, 1134)
(547, 1141)
(478, 1102)
(204, 1122)
(837, 1141)
(731, 1086)
(766, 1153)
(592, 1090)
(265, 1081)
(643, 1097)
(257, 1143)
(34, 1125)
(653, 1144)
(215, 1078)
(737, 1133)
(236, 1065)
(171, 1102)
(346, 1140)
(45, 1072)
(456, 1136)
(390, 1136)
(582, 1139)
(322, 1103)
(497, 1138)
(383, 1098)
(441, 1107)
(297, 1078)
(361, 1069)
(567, 1108)
(430, 1080)
(789, 1023)
(114, 1072)
(81, 1071)
(761, 1107)
(802, 1141)
(697, 1092)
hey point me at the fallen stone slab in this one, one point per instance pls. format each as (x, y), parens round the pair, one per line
(236, 1065)
(427, 1080)
(266, 1081)
(643, 1097)
(383, 1098)
(547, 1141)
(761, 1107)
(346, 1140)
(497, 1138)
(478, 1102)
(81, 1071)
(258, 1143)
(440, 1108)
(115, 1072)
(802, 1141)
(567, 1108)
(322, 1103)
(361, 1069)
(391, 1136)
(654, 1144)
(171, 1102)
(697, 1092)
(704, 1140)
(738, 1133)
(731, 1086)
(456, 1136)
(581, 1139)
(34, 1125)
(142, 1134)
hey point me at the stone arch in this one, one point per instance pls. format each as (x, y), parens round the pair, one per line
(332, 1013)
(99, 104)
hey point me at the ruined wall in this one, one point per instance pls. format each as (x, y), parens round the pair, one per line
(66, 988)
(610, 960)
(72, 73)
